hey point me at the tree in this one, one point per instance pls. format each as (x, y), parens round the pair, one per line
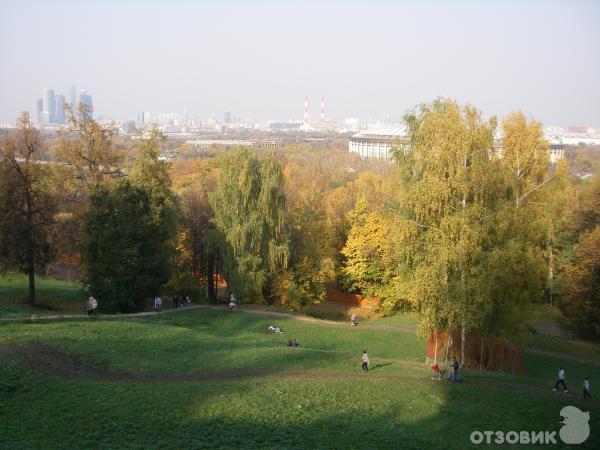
(582, 285)
(464, 207)
(27, 205)
(87, 149)
(128, 249)
(249, 206)
(580, 265)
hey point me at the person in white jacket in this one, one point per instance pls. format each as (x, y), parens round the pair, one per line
(561, 380)
(365, 361)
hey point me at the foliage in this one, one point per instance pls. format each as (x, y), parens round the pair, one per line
(183, 283)
(27, 205)
(128, 247)
(248, 207)
(462, 209)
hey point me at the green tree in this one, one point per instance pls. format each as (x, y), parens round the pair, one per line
(465, 207)
(128, 251)
(582, 285)
(249, 207)
(27, 204)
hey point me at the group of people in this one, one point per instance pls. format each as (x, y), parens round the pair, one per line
(561, 382)
(178, 300)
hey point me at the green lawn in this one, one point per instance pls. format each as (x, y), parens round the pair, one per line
(53, 296)
(207, 378)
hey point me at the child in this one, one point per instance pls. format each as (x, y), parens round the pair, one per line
(365, 361)
(586, 388)
(561, 380)
(437, 374)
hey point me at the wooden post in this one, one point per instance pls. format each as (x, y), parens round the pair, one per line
(448, 340)
(502, 357)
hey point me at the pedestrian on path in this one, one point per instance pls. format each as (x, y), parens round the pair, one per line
(561, 380)
(157, 304)
(365, 361)
(94, 306)
(354, 319)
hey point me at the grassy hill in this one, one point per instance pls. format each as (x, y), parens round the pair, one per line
(207, 378)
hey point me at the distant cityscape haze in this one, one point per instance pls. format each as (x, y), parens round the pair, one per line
(259, 59)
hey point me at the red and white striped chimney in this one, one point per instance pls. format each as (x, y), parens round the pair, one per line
(322, 109)
(306, 109)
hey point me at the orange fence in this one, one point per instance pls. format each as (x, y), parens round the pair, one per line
(485, 352)
(353, 299)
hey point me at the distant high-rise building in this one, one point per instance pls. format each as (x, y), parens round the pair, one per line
(86, 101)
(144, 117)
(227, 117)
(39, 108)
(59, 116)
(73, 100)
(49, 105)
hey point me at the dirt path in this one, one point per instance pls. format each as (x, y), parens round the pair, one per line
(592, 362)
(249, 310)
(51, 318)
(51, 362)
(266, 313)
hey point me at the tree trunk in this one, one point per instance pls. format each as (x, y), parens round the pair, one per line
(31, 294)
(462, 343)
(550, 274)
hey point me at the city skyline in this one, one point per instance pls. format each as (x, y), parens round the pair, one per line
(260, 61)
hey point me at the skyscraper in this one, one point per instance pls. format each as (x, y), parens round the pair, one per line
(73, 97)
(49, 106)
(39, 107)
(60, 109)
(86, 101)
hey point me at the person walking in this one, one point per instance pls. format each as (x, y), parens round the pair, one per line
(455, 366)
(354, 319)
(586, 388)
(157, 304)
(561, 380)
(365, 361)
(88, 306)
(175, 302)
(94, 305)
(232, 303)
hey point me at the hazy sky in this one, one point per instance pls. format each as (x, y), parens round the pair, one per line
(259, 59)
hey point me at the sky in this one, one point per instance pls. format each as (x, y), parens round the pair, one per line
(260, 58)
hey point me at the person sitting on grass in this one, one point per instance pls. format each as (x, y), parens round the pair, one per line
(561, 380)
(365, 361)
(293, 343)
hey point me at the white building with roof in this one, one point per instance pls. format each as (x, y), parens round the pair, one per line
(378, 142)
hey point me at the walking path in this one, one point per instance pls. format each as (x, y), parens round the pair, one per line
(55, 363)
(267, 313)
